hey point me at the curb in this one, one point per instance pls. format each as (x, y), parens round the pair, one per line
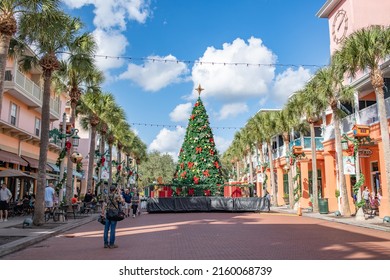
(22, 243)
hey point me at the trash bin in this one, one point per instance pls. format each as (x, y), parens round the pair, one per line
(323, 205)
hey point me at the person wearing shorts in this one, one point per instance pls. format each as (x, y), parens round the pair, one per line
(5, 197)
(127, 197)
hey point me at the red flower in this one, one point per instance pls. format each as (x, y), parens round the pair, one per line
(196, 180)
(190, 164)
(198, 150)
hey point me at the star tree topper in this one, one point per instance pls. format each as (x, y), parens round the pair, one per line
(199, 89)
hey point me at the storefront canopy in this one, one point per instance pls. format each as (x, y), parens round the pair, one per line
(12, 158)
(14, 173)
(34, 163)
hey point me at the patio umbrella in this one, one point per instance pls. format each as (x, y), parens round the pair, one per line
(14, 173)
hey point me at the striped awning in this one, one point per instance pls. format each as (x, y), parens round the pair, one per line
(34, 163)
(54, 167)
(12, 158)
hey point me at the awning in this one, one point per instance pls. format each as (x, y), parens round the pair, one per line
(54, 167)
(34, 163)
(76, 174)
(12, 158)
(14, 173)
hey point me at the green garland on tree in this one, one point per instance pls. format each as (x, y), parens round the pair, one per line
(199, 165)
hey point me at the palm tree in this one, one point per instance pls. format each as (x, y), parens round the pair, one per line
(328, 84)
(268, 123)
(76, 74)
(49, 42)
(247, 144)
(366, 48)
(10, 12)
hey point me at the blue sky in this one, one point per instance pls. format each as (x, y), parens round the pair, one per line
(255, 32)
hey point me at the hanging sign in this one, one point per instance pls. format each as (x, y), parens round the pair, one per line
(364, 153)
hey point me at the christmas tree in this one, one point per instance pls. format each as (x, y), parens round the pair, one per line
(199, 168)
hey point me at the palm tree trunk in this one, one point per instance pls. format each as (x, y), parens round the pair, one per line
(238, 170)
(314, 167)
(91, 157)
(274, 197)
(339, 166)
(250, 167)
(110, 165)
(39, 206)
(69, 166)
(4, 46)
(377, 82)
(289, 177)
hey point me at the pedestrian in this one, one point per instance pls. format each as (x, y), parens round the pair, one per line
(267, 197)
(5, 198)
(88, 197)
(111, 201)
(366, 195)
(49, 196)
(134, 203)
(127, 197)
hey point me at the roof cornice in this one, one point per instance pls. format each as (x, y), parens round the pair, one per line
(327, 8)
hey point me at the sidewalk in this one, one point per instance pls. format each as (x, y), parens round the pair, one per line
(372, 223)
(14, 237)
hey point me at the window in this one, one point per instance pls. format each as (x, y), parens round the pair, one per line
(14, 114)
(37, 126)
(285, 184)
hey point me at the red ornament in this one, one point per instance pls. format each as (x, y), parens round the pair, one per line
(192, 117)
(190, 164)
(198, 150)
(196, 104)
(183, 175)
(206, 173)
(103, 160)
(196, 180)
(191, 191)
(68, 145)
(216, 164)
(211, 140)
(207, 192)
(212, 152)
(119, 168)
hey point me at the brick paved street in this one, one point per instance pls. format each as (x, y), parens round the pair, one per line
(225, 236)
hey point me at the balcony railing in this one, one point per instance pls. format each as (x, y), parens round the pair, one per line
(368, 116)
(307, 143)
(30, 90)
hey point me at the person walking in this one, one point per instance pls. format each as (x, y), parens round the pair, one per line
(366, 196)
(111, 201)
(127, 197)
(49, 196)
(134, 203)
(5, 198)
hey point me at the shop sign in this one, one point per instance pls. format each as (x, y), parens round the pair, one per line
(364, 153)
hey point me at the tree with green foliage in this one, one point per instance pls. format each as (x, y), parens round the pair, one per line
(157, 165)
(199, 167)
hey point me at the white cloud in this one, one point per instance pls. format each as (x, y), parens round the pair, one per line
(231, 81)
(114, 13)
(153, 76)
(113, 43)
(232, 110)
(221, 144)
(169, 141)
(181, 112)
(288, 82)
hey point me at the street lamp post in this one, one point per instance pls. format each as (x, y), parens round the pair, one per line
(66, 144)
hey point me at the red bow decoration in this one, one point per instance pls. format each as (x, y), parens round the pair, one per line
(192, 117)
(102, 160)
(191, 191)
(68, 145)
(119, 168)
(212, 152)
(216, 164)
(198, 150)
(207, 192)
(183, 175)
(196, 180)
(190, 164)
(196, 104)
(206, 173)
(211, 140)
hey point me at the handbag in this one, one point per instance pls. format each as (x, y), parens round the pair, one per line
(102, 220)
(115, 214)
